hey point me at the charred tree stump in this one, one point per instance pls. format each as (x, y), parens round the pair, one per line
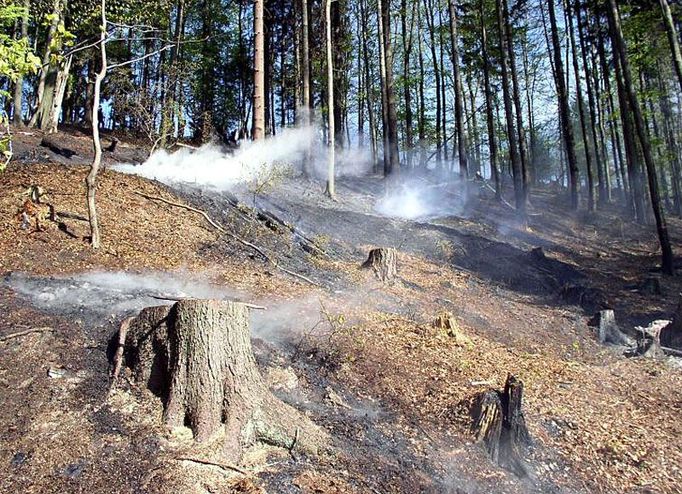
(671, 335)
(500, 425)
(197, 356)
(383, 262)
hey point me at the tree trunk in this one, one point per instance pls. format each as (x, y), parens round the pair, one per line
(54, 23)
(17, 117)
(667, 260)
(51, 105)
(492, 141)
(383, 262)
(564, 110)
(581, 107)
(673, 39)
(407, 51)
(393, 163)
(520, 202)
(258, 128)
(331, 141)
(459, 107)
(91, 179)
(516, 97)
(437, 76)
(197, 356)
(500, 425)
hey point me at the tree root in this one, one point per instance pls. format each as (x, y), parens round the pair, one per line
(222, 230)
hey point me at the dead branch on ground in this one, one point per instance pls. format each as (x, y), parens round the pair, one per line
(18, 334)
(222, 230)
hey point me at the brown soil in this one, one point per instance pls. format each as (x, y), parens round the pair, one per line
(600, 422)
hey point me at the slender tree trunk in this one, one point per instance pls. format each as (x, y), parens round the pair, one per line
(368, 85)
(437, 76)
(516, 97)
(407, 93)
(492, 141)
(667, 260)
(393, 163)
(673, 39)
(564, 110)
(671, 143)
(600, 162)
(422, 105)
(509, 113)
(331, 141)
(258, 129)
(17, 117)
(91, 179)
(459, 107)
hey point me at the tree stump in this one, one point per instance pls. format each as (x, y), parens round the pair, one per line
(197, 356)
(671, 335)
(608, 331)
(383, 262)
(500, 425)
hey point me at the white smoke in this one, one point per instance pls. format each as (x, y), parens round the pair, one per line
(419, 199)
(210, 166)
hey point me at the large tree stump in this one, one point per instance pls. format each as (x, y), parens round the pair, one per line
(383, 262)
(500, 425)
(197, 356)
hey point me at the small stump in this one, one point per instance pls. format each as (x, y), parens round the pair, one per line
(383, 262)
(608, 331)
(671, 335)
(500, 425)
(197, 356)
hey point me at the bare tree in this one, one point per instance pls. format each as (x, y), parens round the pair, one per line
(667, 264)
(331, 188)
(91, 179)
(673, 39)
(258, 129)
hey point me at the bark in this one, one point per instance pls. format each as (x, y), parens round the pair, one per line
(331, 141)
(51, 105)
(673, 39)
(437, 76)
(393, 164)
(667, 260)
(17, 118)
(516, 98)
(459, 106)
(258, 126)
(515, 159)
(383, 262)
(91, 179)
(197, 356)
(368, 87)
(490, 119)
(564, 109)
(500, 425)
(600, 163)
(407, 93)
(581, 108)
(52, 29)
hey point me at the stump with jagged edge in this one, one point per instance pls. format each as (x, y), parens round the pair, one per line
(383, 262)
(500, 425)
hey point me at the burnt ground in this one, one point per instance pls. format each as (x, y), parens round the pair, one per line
(361, 358)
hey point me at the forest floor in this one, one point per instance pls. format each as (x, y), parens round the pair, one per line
(361, 358)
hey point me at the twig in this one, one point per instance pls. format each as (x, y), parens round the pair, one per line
(118, 356)
(293, 445)
(24, 333)
(180, 299)
(218, 227)
(224, 466)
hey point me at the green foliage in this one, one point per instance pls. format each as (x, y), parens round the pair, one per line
(16, 60)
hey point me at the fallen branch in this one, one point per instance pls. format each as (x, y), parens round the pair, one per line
(224, 466)
(72, 216)
(24, 333)
(118, 356)
(218, 227)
